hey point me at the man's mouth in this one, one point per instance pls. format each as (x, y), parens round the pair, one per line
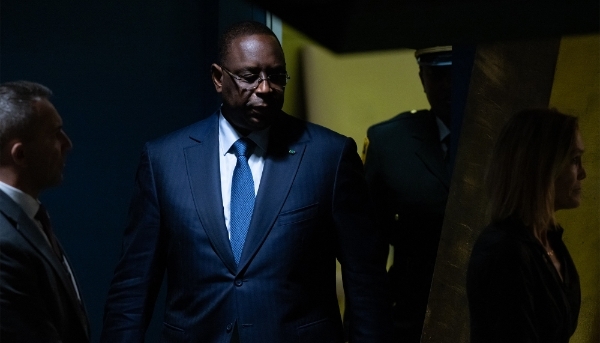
(260, 110)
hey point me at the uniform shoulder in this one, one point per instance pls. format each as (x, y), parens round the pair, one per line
(409, 120)
(402, 118)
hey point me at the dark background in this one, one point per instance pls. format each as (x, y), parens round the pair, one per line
(369, 25)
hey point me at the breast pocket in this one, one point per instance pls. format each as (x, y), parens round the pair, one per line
(298, 215)
(171, 333)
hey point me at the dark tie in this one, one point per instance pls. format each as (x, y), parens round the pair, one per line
(44, 218)
(242, 197)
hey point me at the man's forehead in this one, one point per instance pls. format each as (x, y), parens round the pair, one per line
(248, 36)
(45, 110)
(39, 104)
(252, 42)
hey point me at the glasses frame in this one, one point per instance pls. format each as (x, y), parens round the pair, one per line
(238, 79)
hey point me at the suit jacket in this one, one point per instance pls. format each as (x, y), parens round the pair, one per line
(38, 302)
(515, 293)
(311, 208)
(409, 183)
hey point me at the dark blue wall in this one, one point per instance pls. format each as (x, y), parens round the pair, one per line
(122, 72)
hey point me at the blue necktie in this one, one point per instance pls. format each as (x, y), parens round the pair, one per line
(242, 197)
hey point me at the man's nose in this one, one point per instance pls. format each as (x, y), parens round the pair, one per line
(67, 144)
(263, 87)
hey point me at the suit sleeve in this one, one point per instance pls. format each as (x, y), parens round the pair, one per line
(139, 273)
(362, 253)
(24, 312)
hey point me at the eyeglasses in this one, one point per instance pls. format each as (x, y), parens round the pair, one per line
(252, 81)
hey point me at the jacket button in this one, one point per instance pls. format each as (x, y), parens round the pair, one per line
(238, 282)
(229, 327)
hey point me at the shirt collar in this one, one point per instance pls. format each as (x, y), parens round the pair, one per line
(228, 135)
(29, 205)
(442, 128)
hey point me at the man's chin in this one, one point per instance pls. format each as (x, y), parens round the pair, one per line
(261, 120)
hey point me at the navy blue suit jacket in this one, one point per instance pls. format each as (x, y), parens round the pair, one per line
(311, 208)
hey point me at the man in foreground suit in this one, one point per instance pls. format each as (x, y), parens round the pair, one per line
(261, 269)
(408, 167)
(39, 299)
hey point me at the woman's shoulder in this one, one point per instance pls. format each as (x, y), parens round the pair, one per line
(506, 242)
(505, 233)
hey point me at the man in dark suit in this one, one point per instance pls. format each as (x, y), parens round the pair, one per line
(39, 298)
(408, 168)
(247, 211)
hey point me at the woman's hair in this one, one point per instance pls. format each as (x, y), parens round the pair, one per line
(532, 149)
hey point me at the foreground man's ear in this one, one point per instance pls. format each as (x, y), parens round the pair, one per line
(217, 77)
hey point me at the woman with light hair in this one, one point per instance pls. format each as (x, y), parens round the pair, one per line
(522, 285)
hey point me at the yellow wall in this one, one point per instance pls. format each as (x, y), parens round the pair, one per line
(348, 93)
(576, 91)
(293, 41)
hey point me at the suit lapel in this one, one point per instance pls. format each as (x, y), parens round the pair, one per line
(202, 162)
(429, 152)
(283, 159)
(29, 231)
(79, 305)
(32, 234)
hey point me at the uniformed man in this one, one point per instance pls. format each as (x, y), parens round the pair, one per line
(408, 168)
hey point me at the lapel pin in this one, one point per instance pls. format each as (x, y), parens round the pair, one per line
(292, 151)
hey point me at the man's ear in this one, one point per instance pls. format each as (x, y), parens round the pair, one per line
(217, 77)
(17, 152)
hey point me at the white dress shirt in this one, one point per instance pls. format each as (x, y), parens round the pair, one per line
(28, 204)
(227, 160)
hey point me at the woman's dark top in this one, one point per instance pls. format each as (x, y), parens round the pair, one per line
(515, 293)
